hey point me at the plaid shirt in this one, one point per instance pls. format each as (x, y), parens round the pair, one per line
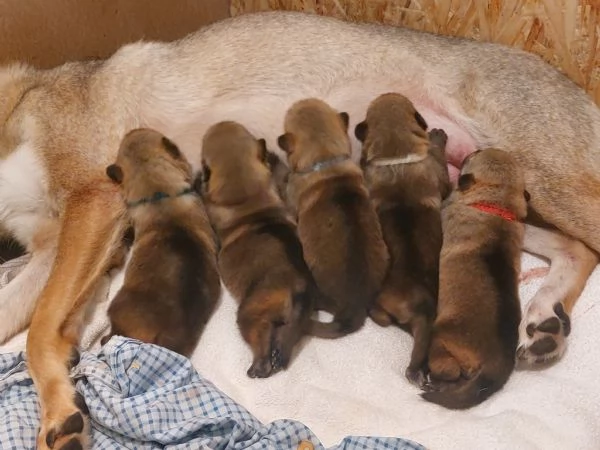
(145, 397)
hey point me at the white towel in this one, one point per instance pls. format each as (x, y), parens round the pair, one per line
(355, 386)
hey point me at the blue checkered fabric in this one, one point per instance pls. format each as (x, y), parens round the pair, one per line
(145, 397)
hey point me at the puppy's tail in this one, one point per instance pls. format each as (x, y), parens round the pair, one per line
(463, 394)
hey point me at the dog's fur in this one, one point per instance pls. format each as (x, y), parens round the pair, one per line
(59, 129)
(260, 259)
(172, 283)
(337, 224)
(475, 334)
(406, 173)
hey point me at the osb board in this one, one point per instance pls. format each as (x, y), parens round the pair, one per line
(563, 32)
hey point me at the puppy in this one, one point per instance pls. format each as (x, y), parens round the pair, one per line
(475, 334)
(405, 170)
(260, 259)
(171, 284)
(337, 224)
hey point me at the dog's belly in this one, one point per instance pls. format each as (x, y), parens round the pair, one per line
(263, 116)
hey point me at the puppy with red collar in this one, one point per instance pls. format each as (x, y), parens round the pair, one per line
(475, 334)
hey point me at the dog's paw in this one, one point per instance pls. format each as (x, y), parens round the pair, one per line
(68, 433)
(542, 335)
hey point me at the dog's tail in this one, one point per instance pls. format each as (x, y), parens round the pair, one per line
(464, 394)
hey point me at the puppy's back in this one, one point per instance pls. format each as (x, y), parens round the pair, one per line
(171, 288)
(342, 240)
(479, 313)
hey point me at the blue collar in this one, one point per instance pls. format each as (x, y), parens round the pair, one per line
(158, 196)
(321, 165)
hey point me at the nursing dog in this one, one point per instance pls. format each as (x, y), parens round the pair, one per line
(60, 128)
(405, 170)
(172, 283)
(260, 259)
(475, 334)
(337, 224)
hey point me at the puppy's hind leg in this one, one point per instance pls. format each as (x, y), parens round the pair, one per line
(92, 227)
(546, 321)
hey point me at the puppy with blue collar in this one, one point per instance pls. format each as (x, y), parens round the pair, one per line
(171, 284)
(407, 176)
(337, 224)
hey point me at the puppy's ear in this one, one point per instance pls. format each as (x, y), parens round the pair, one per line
(262, 150)
(526, 195)
(420, 120)
(171, 148)
(115, 173)
(465, 181)
(361, 130)
(345, 119)
(286, 142)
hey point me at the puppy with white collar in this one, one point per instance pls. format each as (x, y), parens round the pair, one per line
(405, 170)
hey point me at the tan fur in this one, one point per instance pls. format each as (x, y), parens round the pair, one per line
(475, 334)
(172, 284)
(70, 121)
(274, 289)
(407, 197)
(338, 227)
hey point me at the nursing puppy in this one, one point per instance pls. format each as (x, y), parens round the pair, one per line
(60, 128)
(338, 227)
(260, 259)
(171, 284)
(475, 334)
(405, 170)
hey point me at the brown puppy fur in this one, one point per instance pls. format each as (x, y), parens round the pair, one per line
(261, 259)
(337, 224)
(171, 283)
(408, 178)
(475, 334)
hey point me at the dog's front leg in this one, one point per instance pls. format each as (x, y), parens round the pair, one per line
(91, 231)
(546, 321)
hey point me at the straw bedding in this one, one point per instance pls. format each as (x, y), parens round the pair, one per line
(563, 32)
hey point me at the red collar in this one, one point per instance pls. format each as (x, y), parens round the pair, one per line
(495, 210)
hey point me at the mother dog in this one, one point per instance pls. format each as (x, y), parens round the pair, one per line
(60, 128)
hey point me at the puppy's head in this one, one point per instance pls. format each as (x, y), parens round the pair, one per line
(392, 128)
(234, 164)
(314, 132)
(493, 175)
(149, 162)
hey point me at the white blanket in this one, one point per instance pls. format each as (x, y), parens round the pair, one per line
(355, 386)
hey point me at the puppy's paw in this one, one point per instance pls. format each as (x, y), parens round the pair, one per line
(542, 334)
(67, 431)
(438, 136)
(416, 377)
(261, 368)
